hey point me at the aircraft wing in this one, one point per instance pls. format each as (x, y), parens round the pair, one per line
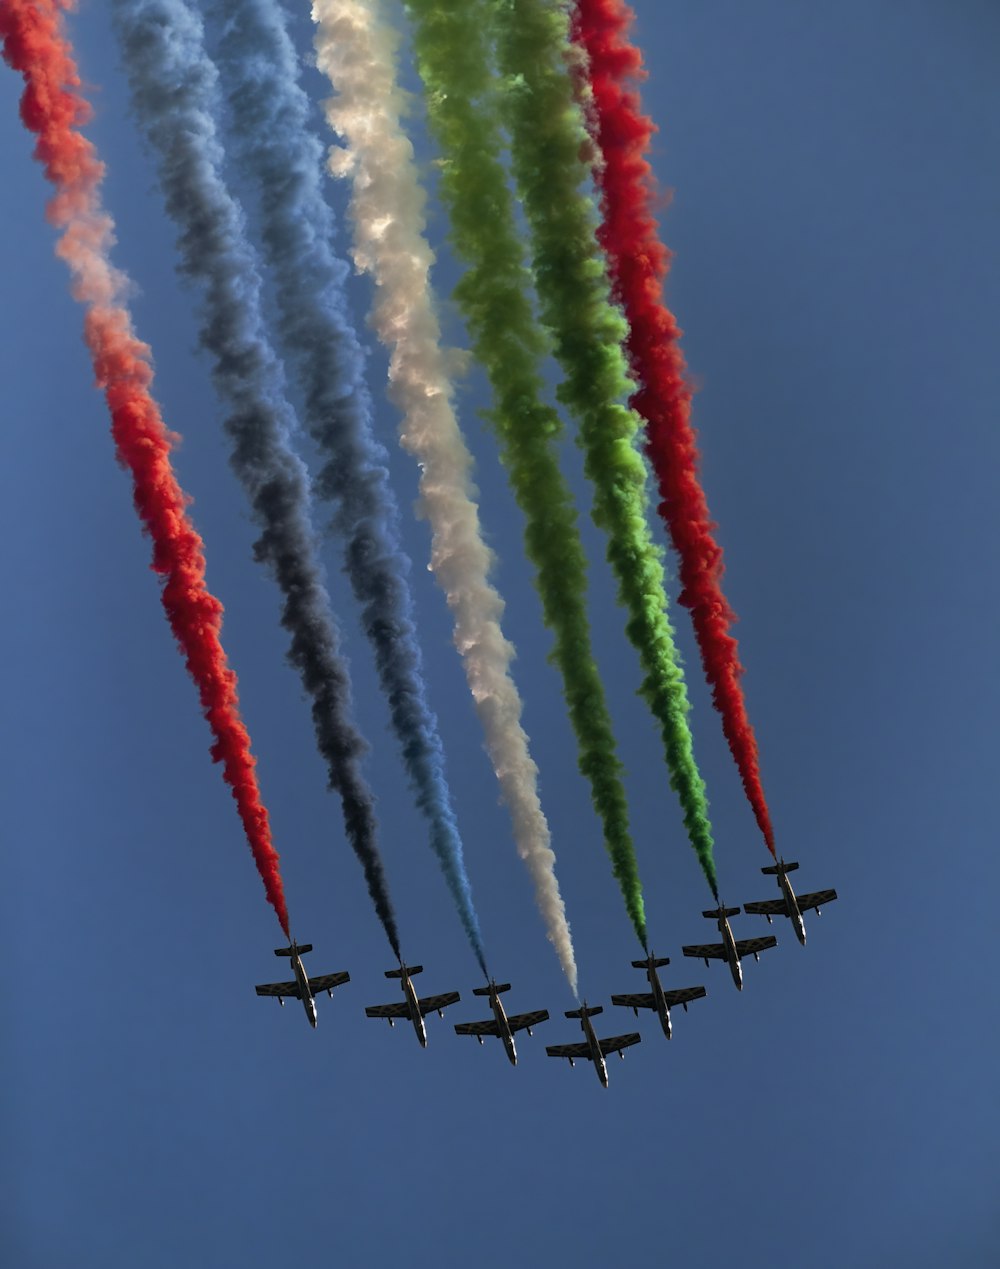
(489, 1027)
(327, 982)
(682, 995)
(706, 951)
(431, 1004)
(768, 907)
(278, 989)
(522, 1021)
(568, 1050)
(819, 899)
(641, 1000)
(395, 1010)
(615, 1042)
(749, 947)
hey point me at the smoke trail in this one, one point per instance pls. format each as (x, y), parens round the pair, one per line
(638, 263)
(273, 143)
(546, 130)
(174, 93)
(52, 107)
(452, 60)
(357, 50)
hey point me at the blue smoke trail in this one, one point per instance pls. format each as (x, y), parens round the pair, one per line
(272, 141)
(174, 93)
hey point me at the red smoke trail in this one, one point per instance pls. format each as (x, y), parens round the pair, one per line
(34, 44)
(638, 263)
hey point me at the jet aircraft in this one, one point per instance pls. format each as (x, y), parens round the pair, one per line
(411, 1007)
(730, 950)
(658, 999)
(789, 905)
(500, 1025)
(304, 988)
(593, 1049)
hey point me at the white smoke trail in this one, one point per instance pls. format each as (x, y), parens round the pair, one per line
(356, 49)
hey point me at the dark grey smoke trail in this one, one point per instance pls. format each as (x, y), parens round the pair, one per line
(174, 92)
(272, 140)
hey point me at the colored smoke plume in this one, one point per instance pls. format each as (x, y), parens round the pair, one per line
(174, 94)
(52, 107)
(356, 48)
(273, 145)
(452, 60)
(538, 103)
(638, 263)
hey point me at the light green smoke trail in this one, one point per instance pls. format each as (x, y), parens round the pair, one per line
(547, 133)
(452, 59)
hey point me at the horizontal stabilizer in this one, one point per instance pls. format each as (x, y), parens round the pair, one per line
(410, 969)
(585, 1011)
(772, 870)
(485, 991)
(290, 951)
(714, 913)
(658, 961)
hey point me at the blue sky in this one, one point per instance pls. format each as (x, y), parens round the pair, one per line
(834, 221)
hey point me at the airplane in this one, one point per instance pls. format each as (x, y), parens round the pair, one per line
(730, 950)
(789, 904)
(500, 1025)
(592, 1049)
(304, 987)
(658, 999)
(411, 1007)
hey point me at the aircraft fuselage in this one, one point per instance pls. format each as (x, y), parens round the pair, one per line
(732, 955)
(416, 1017)
(305, 991)
(659, 1000)
(503, 1026)
(596, 1056)
(792, 904)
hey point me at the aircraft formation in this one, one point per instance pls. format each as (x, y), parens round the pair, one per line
(510, 91)
(592, 1048)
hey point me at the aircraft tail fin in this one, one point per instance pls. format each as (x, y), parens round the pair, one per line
(772, 870)
(290, 951)
(658, 962)
(721, 911)
(585, 1011)
(485, 991)
(410, 969)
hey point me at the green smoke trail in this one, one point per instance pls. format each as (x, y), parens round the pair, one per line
(453, 62)
(548, 135)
